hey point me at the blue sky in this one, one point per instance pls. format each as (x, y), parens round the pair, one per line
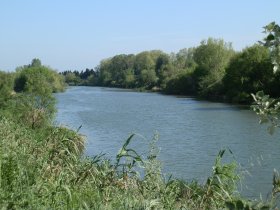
(68, 34)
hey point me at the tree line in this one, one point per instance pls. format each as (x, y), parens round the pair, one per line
(212, 70)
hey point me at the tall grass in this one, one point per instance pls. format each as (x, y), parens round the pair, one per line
(45, 169)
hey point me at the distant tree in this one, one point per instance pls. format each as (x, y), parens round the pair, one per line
(118, 67)
(212, 57)
(143, 61)
(148, 78)
(105, 76)
(166, 73)
(161, 61)
(129, 79)
(35, 63)
(35, 84)
(72, 78)
(248, 72)
(184, 58)
(38, 79)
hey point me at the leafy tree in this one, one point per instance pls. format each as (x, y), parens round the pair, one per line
(166, 73)
(148, 78)
(105, 75)
(38, 78)
(161, 62)
(35, 103)
(118, 67)
(72, 79)
(129, 78)
(143, 61)
(248, 72)
(182, 83)
(211, 57)
(185, 59)
(36, 63)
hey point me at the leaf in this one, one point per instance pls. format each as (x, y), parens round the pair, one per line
(221, 153)
(128, 140)
(68, 191)
(270, 37)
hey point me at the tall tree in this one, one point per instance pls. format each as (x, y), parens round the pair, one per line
(212, 57)
(248, 72)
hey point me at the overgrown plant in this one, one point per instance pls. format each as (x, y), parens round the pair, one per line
(266, 107)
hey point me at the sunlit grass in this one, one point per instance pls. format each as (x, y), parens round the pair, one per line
(45, 169)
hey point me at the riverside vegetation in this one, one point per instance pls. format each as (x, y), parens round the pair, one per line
(212, 70)
(43, 167)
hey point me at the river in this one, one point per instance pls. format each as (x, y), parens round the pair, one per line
(191, 132)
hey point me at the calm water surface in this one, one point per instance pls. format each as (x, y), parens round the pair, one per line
(191, 132)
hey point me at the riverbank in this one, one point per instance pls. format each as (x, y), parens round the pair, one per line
(43, 166)
(220, 99)
(44, 169)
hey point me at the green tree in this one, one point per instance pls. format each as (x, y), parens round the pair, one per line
(143, 61)
(118, 67)
(105, 77)
(35, 103)
(248, 72)
(161, 61)
(129, 78)
(72, 79)
(148, 78)
(212, 58)
(184, 58)
(35, 63)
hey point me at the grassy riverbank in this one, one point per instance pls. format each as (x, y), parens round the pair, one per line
(43, 167)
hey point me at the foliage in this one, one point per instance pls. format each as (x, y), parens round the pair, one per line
(38, 78)
(33, 103)
(272, 41)
(6, 87)
(248, 71)
(269, 108)
(212, 70)
(212, 57)
(46, 170)
(266, 107)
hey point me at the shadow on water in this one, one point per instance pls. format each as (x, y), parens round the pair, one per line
(216, 109)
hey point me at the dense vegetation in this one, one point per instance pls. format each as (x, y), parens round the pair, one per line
(43, 167)
(211, 70)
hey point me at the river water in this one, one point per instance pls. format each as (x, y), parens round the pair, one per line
(191, 132)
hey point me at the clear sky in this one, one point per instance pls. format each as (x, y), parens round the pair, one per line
(77, 34)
